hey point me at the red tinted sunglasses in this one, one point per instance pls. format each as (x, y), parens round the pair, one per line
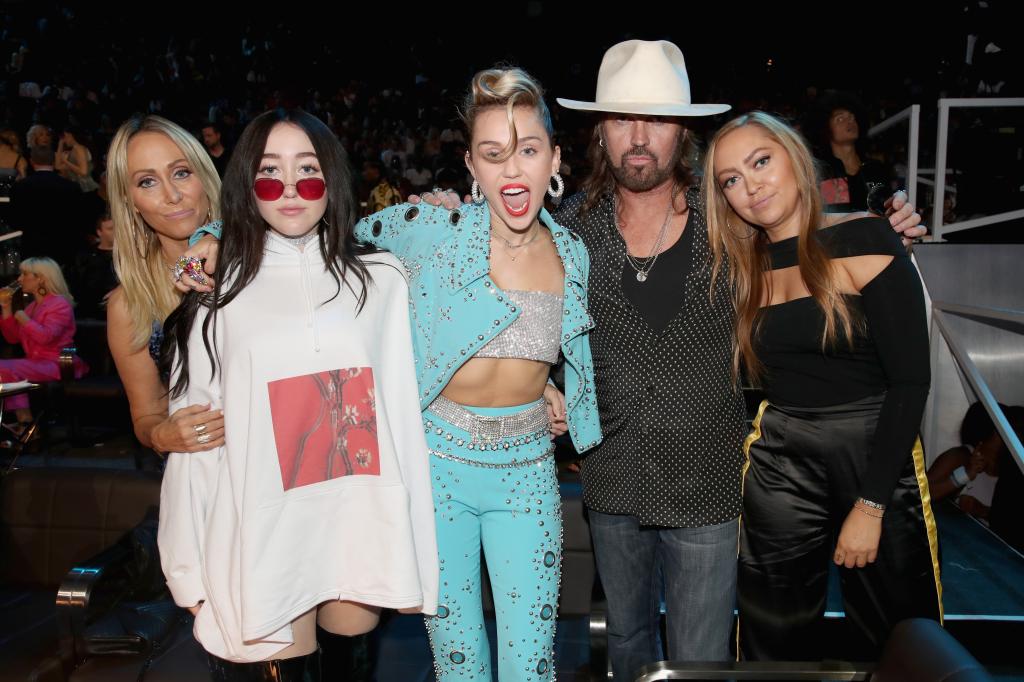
(271, 189)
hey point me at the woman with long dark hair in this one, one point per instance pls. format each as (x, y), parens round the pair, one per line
(317, 509)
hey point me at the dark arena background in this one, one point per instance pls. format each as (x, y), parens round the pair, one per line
(936, 88)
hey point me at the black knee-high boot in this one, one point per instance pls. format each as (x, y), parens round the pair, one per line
(299, 669)
(347, 659)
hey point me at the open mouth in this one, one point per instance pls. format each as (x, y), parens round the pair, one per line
(516, 199)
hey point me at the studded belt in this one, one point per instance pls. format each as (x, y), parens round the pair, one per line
(514, 464)
(492, 428)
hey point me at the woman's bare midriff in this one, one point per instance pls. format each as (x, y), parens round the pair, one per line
(497, 382)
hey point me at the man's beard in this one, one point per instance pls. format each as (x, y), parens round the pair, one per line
(643, 178)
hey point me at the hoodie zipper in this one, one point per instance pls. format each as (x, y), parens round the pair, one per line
(308, 295)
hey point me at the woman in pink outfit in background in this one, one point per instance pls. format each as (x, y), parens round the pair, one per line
(43, 328)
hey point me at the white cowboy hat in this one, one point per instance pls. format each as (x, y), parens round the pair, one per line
(646, 77)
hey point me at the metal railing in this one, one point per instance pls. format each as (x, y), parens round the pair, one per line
(913, 114)
(940, 309)
(941, 145)
(915, 173)
(754, 670)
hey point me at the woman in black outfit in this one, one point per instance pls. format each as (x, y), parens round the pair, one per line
(830, 322)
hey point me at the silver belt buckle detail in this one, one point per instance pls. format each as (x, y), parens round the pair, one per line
(488, 429)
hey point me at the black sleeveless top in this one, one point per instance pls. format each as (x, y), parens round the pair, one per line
(888, 353)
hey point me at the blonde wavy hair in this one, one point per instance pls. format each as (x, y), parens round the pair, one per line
(48, 270)
(145, 281)
(508, 87)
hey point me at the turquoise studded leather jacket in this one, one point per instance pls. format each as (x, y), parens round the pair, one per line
(456, 308)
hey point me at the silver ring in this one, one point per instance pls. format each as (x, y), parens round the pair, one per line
(199, 428)
(437, 190)
(203, 438)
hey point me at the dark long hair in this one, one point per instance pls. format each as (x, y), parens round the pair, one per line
(244, 234)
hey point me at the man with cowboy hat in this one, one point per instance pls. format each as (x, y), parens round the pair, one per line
(664, 488)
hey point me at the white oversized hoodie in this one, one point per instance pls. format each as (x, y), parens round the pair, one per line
(322, 490)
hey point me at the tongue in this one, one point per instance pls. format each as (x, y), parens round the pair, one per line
(516, 201)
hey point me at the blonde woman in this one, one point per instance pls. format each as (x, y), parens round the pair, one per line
(162, 187)
(39, 135)
(43, 328)
(498, 296)
(830, 322)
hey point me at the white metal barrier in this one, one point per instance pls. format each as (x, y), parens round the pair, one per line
(941, 144)
(914, 172)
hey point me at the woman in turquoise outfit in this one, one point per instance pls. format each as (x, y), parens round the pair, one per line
(498, 294)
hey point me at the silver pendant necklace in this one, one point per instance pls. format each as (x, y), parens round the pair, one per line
(643, 266)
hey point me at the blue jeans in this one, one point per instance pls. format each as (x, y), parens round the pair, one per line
(697, 567)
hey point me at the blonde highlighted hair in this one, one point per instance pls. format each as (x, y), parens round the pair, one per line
(51, 274)
(32, 136)
(140, 265)
(507, 87)
(741, 249)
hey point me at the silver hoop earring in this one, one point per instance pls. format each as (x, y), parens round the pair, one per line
(474, 191)
(559, 187)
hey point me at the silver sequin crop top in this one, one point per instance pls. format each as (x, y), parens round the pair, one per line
(534, 335)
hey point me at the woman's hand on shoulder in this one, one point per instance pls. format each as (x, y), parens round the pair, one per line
(205, 250)
(449, 199)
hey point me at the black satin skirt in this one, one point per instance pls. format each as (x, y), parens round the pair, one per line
(803, 474)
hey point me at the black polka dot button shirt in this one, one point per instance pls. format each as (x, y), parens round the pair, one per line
(672, 420)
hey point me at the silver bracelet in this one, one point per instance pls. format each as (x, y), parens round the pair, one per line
(869, 503)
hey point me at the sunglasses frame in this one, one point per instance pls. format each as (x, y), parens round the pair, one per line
(280, 185)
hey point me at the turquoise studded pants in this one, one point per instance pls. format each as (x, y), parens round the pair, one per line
(500, 495)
